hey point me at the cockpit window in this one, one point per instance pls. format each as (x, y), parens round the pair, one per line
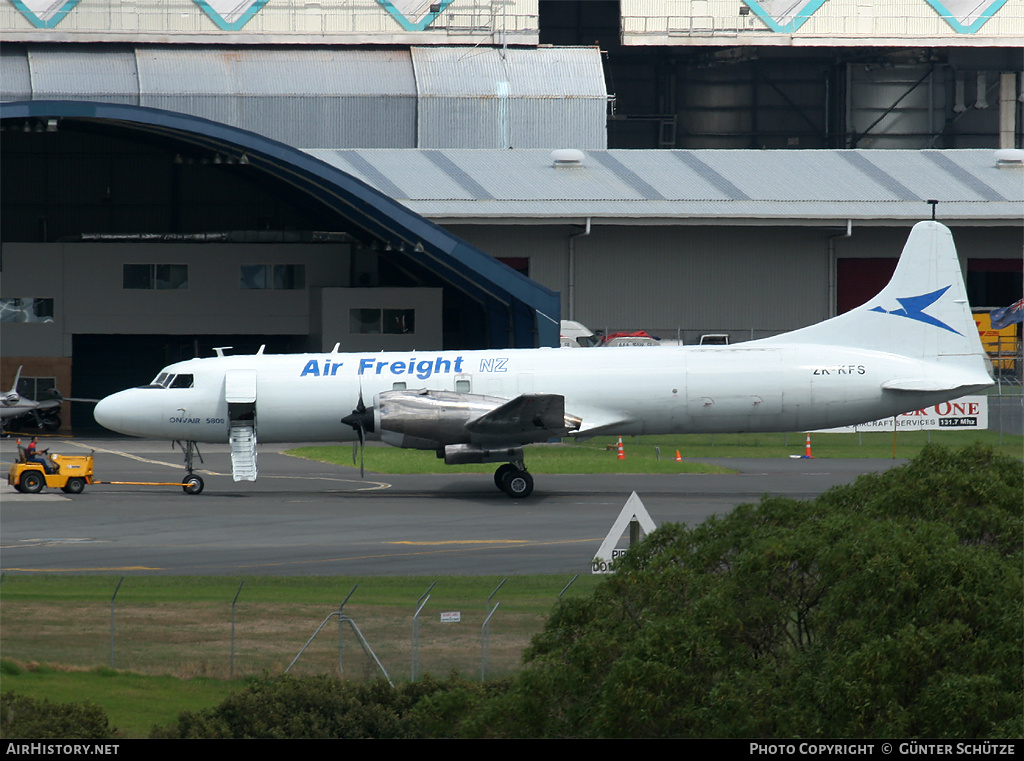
(170, 380)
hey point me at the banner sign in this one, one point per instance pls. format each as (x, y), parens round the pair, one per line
(967, 412)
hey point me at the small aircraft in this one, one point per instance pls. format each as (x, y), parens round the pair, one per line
(16, 411)
(914, 344)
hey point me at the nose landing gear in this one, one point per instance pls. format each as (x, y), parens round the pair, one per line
(191, 483)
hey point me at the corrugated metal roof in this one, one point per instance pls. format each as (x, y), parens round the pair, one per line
(337, 97)
(669, 185)
(305, 98)
(15, 79)
(179, 70)
(82, 72)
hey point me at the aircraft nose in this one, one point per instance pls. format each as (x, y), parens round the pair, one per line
(134, 412)
(109, 412)
(123, 412)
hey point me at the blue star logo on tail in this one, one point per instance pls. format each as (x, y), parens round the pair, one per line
(913, 308)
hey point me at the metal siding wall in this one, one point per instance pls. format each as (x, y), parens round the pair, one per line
(484, 98)
(95, 301)
(546, 247)
(702, 278)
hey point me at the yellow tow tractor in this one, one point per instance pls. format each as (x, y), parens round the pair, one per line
(71, 475)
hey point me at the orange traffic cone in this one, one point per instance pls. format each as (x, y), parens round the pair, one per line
(622, 452)
(807, 448)
(679, 457)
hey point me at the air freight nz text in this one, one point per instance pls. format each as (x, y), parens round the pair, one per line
(422, 368)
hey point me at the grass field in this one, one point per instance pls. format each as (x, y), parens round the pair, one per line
(656, 454)
(172, 636)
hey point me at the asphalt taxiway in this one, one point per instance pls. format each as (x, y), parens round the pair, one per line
(307, 518)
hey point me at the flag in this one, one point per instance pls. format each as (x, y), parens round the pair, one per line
(1001, 318)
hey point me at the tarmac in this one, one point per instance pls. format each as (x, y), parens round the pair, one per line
(307, 518)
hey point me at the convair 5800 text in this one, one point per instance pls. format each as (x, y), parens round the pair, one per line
(914, 344)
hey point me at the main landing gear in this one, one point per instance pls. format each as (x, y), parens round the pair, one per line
(513, 479)
(191, 483)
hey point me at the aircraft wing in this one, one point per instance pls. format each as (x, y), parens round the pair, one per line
(530, 417)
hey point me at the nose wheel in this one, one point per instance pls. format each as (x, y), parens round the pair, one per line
(191, 483)
(514, 480)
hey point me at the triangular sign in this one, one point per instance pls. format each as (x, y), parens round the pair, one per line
(633, 510)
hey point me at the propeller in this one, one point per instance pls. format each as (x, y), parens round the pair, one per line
(361, 421)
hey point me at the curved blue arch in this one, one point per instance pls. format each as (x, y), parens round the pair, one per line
(521, 313)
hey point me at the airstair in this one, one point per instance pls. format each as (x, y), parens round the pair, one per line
(243, 450)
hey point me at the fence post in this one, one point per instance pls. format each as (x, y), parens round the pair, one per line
(415, 644)
(231, 670)
(114, 597)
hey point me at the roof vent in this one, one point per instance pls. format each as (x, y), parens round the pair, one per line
(1010, 157)
(567, 157)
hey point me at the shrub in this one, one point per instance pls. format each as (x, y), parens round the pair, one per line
(25, 718)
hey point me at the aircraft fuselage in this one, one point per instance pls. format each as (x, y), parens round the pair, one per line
(622, 391)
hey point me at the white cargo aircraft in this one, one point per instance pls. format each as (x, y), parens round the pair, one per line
(913, 345)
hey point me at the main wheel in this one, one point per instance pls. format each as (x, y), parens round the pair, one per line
(32, 482)
(51, 423)
(501, 472)
(517, 484)
(192, 484)
(74, 486)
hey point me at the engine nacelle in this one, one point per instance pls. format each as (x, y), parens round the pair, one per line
(427, 419)
(468, 454)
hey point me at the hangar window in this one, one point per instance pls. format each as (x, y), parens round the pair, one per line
(37, 389)
(26, 310)
(387, 321)
(156, 277)
(282, 277)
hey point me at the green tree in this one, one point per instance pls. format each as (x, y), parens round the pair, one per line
(890, 607)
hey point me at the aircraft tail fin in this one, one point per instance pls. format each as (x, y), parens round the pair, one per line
(922, 313)
(12, 396)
